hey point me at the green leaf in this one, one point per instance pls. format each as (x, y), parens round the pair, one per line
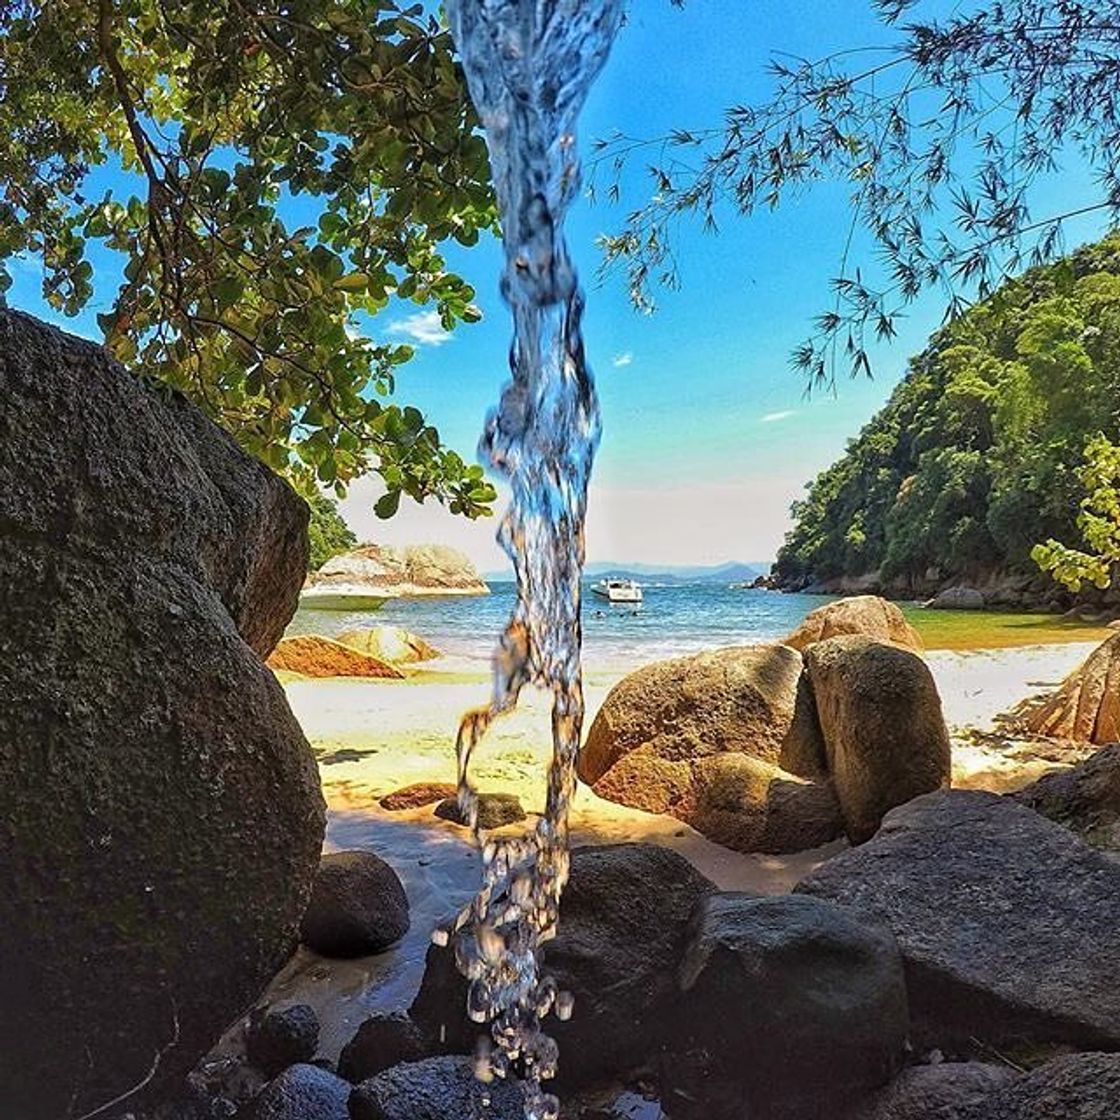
(387, 505)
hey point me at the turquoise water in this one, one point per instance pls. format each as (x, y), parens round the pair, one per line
(672, 621)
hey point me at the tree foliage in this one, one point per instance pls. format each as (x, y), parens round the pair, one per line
(329, 534)
(942, 134)
(1099, 522)
(295, 166)
(977, 454)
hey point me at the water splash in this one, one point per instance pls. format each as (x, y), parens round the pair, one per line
(529, 66)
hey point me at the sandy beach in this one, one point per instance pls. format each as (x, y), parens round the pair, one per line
(373, 737)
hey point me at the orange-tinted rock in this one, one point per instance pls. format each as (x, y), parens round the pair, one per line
(320, 657)
(866, 615)
(418, 795)
(1086, 708)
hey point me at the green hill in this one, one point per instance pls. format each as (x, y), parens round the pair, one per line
(973, 459)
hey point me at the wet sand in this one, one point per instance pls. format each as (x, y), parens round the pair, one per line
(373, 737)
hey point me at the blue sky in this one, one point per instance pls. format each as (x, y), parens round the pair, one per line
(708, 435)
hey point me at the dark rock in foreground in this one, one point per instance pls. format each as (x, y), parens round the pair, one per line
(1007, 922)
(1085, 798)
(435, 1089)
(623, 928)
(1077, 1087)
(793, 999)
(162, 815)
(884, 735)
(925, 1092)
(281, 1038)
(385, 1039)
(303, 1092)
(358, 906)
(495, 810)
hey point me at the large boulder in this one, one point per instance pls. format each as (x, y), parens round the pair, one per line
(389, 643)
(416, 570)
(793, 998)
(1085, 798)
(1076, 1087)
(660, 727)
(865, 615)
(624, 923)
(312, 656)
(1006, 921)
(160, 809)
(1086, 707)
(751, 806)
(358, 906)
(884, 734)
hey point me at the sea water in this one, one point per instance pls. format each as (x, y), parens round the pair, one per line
(673, 621)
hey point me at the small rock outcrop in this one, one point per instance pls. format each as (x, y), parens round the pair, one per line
(312, 656)
(793, 998)
(1076, 1087)
(495, 810)
(435, 1089)
(958, 599)
(358, 906)
(1006, 921)
(302, 1092)
(865, 615)
(384, 1040)
(414, 571)
(884, 734)
(1086, 708)
(279, 1038)
(417, 795)
(624, 924)
(147, 757)
(1085, 798)
(389, 643)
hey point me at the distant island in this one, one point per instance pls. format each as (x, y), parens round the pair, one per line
(733, 571)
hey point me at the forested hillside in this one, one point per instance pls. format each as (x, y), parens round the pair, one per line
(974, 458)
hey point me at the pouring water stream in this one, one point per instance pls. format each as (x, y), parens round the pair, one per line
(529, 65)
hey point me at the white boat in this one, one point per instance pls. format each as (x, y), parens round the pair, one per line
(618, 590)
(328, 597)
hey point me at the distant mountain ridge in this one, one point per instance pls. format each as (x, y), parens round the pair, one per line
(733, 571)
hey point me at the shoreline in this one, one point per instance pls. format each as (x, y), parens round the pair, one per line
(371, 737)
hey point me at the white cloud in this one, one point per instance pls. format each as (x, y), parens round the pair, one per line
(624, 359)
(423, 328)
(773, 417)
